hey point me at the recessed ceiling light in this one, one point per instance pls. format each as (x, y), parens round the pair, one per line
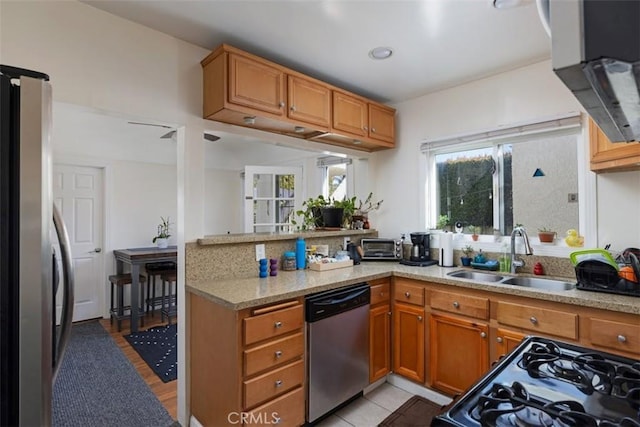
(380, 52)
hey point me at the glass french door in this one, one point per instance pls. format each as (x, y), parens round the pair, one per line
(272, 194)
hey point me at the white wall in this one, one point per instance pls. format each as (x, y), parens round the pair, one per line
(223, 209)
(521, 95)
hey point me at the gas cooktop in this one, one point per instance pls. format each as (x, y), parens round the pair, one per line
(551, 383)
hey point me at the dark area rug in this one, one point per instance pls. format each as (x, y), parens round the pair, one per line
(415, 412)
(98, 386)
(158, 347)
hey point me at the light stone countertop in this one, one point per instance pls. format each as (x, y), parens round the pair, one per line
(238, 294)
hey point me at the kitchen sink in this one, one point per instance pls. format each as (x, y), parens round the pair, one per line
(539, 283)
(476, 275)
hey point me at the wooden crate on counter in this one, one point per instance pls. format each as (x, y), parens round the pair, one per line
(325, 266)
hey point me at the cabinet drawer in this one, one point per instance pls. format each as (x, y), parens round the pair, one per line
(542, 320)
(615, 335)
(286, 410)
(409, 293)
(273, 324)
(273, 383)
(460, 304)
(380, 293)
(273, 353)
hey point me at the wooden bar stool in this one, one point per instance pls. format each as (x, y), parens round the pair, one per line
(169, 299)
(155, 269)
(118, 312)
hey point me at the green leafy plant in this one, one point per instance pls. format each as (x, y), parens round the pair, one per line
(310, 215)
(367, 206)
(545, 230)
(467, 251)
(164, 229)
(349, 207)
(443, 221)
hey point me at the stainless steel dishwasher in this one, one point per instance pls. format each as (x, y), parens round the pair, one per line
(337, 347)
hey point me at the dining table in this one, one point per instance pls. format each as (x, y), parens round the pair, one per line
(137, 258)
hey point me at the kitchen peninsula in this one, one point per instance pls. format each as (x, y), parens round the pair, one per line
(247, 348)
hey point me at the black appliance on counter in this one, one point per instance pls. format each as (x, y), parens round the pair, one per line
(544, 382)
(600, 276)
(420, 255)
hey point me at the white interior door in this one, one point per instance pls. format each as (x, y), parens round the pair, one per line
(272, 194)
(78, 193)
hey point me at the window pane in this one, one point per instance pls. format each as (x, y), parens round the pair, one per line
(465, 185)
(337, 181)
(263, 185)
(285, 185)
(263, 212)
(284, 212)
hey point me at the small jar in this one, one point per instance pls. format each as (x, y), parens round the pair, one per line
(289, 261)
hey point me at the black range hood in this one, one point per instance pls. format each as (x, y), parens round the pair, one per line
(595, 48)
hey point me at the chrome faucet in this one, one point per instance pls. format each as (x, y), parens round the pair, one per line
(516, 261)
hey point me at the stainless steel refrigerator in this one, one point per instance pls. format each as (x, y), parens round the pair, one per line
(31, 345)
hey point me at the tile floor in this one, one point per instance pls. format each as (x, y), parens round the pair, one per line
(369, 410)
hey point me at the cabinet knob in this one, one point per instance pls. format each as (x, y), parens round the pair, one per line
(407, 294)
(420, 318)
(278, 324)
(365, 128)
(622, 338)
(533, 320)
(483, 334)
(373, 129)
(281, 104)
(456, 304)
(381, 294)
(293, 108)
(499, 339)
(278, 354)
(389, 313)
(278, 383)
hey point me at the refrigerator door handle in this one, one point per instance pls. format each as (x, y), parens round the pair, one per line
(68, 289)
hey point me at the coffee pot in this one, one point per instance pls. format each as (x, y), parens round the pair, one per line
(354, 253)
(420, 248)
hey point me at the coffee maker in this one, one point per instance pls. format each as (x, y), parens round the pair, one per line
(419, 251)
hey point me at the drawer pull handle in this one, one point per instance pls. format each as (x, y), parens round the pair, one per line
(483, 334)
(456, 304)
(499, 339)
(407, 294)
(278, 354)
(533, 320)
(278, 324)
(622, 338)
(278, 383)
(420, 318)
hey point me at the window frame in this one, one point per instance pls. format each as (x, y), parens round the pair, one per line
(571, 123)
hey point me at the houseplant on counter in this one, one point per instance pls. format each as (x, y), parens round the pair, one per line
(311, 215)
(466, 259)
(362, 211)
(339, 213)
(546, 235)
(164, 232)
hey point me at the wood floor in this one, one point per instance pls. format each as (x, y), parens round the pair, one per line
(167, 393)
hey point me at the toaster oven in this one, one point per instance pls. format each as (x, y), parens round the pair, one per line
(376, 249)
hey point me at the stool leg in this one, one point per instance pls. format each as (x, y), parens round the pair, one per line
(120, 295)
(169, 305)
(141, 311)
(162, 310)
(111, 307)
(153, 296)
(146, 303)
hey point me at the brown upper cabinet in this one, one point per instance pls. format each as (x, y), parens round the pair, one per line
(607, 156)
(246, 90)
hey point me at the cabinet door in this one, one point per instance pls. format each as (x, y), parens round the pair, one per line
(408, 341)
(506, 341)
(309, 101)
(349, 114)
(379, 342)
(256, 85)
(382, 123)
(608, 156)
(459, 353)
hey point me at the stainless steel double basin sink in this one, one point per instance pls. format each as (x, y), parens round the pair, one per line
(528, 282)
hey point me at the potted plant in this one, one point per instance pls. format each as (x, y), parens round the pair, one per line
(443, 222)
(546, 235)
(339, 213)
(311, 214)
(362, 211)
(164, 232)
(466, 259)
(474, 230)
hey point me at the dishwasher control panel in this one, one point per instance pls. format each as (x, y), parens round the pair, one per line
(324, 304)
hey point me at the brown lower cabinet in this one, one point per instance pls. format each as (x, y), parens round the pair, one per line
(458, 352)
(379, 342)
(408, 341)
(506, 341)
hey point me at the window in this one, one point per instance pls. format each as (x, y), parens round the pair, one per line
(335, 176)
(526, 175)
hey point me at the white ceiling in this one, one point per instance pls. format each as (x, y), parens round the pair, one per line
(436, 43)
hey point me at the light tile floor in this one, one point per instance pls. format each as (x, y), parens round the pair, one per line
(369, 410)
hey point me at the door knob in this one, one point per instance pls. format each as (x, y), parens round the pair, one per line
(96, 251)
